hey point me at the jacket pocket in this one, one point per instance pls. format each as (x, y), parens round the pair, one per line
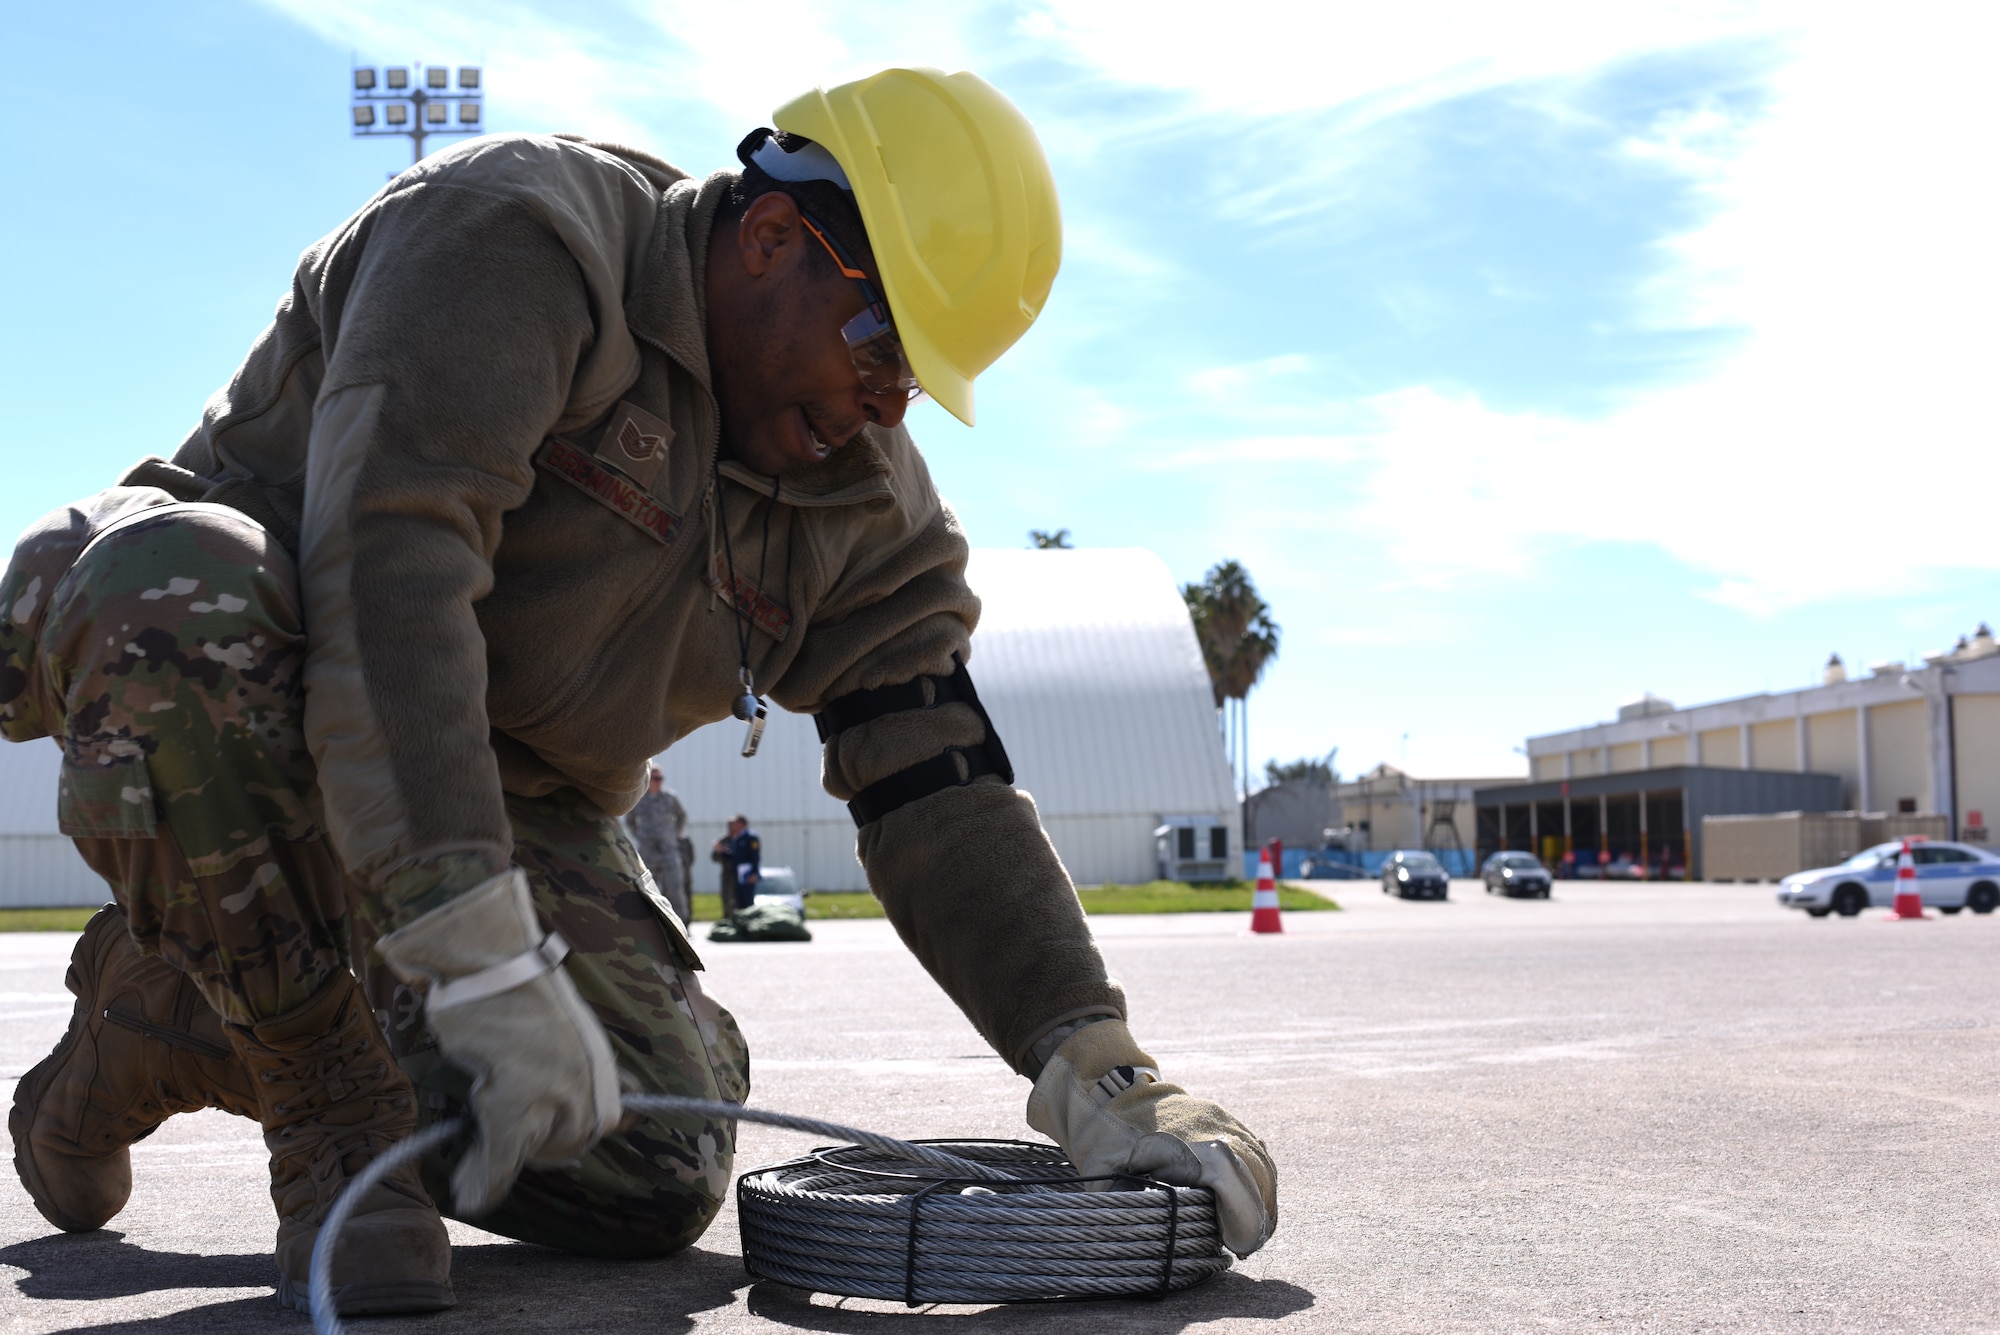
(677, 936)
(106, 801)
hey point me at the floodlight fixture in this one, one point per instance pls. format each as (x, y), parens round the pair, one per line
(415, 101)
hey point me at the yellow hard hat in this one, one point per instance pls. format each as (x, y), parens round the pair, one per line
(960, 208)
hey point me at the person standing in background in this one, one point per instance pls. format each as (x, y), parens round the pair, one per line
(657, 826)
(741, 854)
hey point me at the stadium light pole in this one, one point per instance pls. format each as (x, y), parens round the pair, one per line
(415, 102)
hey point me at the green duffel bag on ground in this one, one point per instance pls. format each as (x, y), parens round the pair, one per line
(763, 922)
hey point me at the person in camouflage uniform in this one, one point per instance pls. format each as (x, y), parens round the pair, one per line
(352, 690)
(658, 825)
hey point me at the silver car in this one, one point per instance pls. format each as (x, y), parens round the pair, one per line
(1950, 877)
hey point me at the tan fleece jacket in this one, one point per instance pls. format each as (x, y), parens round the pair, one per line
(482, 419)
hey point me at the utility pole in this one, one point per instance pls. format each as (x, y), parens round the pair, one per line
(415, 108)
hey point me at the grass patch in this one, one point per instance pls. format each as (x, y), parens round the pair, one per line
(819, 905)
(832, 904)
(1152, 897)
(1182, 897)
(44, 920)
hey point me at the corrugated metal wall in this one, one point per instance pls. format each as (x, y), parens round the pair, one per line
(39, 868)
(41, 871)
(1088, 665)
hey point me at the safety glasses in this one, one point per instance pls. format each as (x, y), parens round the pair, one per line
(871, 339)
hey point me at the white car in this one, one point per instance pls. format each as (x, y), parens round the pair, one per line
(1950, 877)
(777, 885)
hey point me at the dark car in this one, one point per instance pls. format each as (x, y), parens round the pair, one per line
(1414, 875)
(1514, 874)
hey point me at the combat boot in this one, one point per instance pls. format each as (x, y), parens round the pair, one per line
(142, 1045)
(331, 1099)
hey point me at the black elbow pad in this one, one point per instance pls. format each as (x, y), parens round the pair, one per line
(955, 767)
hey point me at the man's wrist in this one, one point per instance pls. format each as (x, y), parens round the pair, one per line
(1059, 1032)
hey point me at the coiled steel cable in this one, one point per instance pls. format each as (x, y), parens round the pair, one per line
(918, 1222)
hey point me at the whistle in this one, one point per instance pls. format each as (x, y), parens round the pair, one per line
(752, 711)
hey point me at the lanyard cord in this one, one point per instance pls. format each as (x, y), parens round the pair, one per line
(743, 622)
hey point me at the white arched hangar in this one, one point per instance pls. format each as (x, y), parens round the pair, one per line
(1087, 663)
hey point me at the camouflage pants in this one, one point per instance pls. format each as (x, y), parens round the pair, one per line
(176, 647)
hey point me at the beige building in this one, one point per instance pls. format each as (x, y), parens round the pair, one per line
(1387, 809)
(1900, 740)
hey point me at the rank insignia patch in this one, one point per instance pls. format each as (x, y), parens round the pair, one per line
(635, 443)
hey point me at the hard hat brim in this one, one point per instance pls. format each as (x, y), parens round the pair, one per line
(937, 376)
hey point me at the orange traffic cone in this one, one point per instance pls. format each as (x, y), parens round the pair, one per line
(1909, 902)
(1264, 903)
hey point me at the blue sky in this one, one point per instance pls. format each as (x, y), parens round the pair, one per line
(1530, 356)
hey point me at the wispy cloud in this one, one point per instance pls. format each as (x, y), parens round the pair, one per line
(1275, 58)
(1231, 383)
(562, 74)
(1843, 228)
(1842, 446)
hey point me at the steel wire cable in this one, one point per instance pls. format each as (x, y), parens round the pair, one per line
(910, 1221)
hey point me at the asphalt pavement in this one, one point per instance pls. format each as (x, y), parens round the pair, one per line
(1631, 1107)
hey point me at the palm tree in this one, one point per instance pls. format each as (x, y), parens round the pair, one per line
(1307, 769)
(1238, 641)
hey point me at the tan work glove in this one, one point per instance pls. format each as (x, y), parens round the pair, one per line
(1102, 1100)
(545, 1086)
